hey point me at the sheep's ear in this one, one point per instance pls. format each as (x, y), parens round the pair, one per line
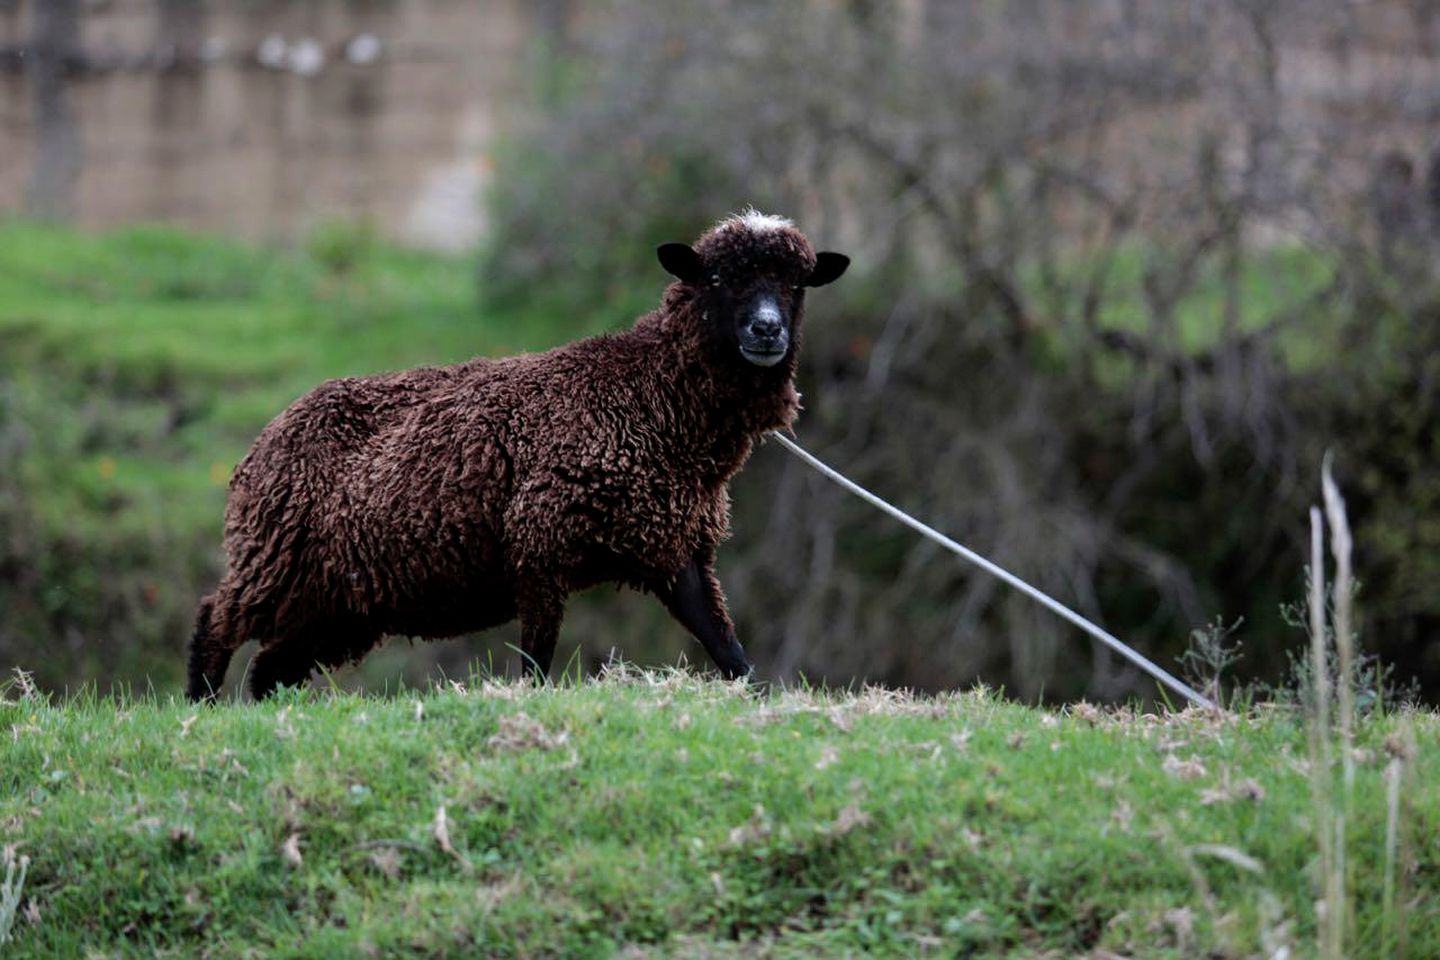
(828, 268)
(680, 262)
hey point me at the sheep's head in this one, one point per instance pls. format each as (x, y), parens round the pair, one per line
(748, 276)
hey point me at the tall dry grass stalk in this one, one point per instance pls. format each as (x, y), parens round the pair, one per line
(1333, 808)
(10, 888)
(1330, 923)
(1343, 594)
(1402, 748)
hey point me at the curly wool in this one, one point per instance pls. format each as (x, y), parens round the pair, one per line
(445, 500)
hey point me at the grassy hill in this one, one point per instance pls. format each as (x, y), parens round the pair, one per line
(660, 814)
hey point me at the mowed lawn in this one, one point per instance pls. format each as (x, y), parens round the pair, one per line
(660, 814)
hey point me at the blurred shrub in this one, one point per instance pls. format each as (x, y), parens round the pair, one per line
(543, 250)
(92, 583)
(340, 246)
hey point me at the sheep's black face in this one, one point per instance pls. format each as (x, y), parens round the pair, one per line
(762, 330)
(752, 309)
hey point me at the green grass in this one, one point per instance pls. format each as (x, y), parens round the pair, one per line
(666, 815)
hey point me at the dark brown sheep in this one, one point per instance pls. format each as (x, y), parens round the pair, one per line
(446, 500)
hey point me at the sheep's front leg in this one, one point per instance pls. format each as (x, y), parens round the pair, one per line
(541, 613)
(696, 600)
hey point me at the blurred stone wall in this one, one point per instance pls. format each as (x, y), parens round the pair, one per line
(259, 118)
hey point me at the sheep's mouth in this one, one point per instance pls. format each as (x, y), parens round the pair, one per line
(764, 358)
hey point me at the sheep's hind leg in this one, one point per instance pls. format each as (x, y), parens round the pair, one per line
(325, 645)
(208, 660)
(695, 599)
(214, 641)
(540, 618)
(342, 643)
(280, 664)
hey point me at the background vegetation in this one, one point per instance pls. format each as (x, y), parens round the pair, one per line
(1118, 287)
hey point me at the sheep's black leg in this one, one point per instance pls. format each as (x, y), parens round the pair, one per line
(696, 600)
(209, 656)
(540, 618)
(279, 665)
(219, 631)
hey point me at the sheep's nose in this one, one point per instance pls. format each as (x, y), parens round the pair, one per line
(766, 320)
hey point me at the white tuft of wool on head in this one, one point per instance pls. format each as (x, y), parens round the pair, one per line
(754, 220)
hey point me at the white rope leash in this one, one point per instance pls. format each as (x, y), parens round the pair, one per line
(1103, 636)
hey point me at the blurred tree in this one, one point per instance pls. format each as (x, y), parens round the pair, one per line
(1104, 276)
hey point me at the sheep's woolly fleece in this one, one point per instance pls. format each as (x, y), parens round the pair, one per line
(755, 221)
(445, 500)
